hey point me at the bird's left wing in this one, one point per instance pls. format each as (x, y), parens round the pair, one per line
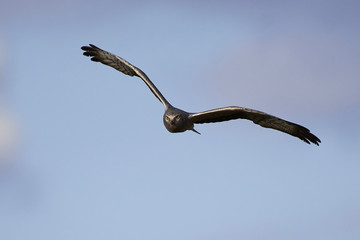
(261, 118)
(120, 64)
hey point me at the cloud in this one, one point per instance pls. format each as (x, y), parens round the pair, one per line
(7, 125)
(7, 135)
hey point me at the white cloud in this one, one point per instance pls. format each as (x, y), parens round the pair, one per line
(7, 135)
(7, 126)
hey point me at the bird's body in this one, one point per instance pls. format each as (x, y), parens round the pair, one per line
(177, 120)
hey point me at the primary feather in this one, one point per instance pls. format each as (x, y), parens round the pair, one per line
(260, 118)
(107, 58)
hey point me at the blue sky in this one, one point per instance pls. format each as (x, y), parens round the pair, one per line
(84, 153)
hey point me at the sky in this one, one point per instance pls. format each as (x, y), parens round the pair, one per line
(84, 153)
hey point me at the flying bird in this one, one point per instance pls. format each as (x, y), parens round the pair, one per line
(177, 120)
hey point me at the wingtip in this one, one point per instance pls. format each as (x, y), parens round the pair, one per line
(86, 47)
(311, 138)
(89, 47)
(89, 51)
(93, 46)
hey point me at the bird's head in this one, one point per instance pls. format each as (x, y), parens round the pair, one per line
(171, 122)
(176, 121)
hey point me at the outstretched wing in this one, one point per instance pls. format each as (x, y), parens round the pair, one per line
(261, 118)
(107, 58)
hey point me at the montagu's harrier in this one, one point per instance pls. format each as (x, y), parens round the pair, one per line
(177, 120)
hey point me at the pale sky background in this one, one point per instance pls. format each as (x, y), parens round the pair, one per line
(84, 153)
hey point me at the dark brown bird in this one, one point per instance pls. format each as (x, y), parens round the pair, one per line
(177, 120)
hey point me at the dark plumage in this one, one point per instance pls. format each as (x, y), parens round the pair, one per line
(176, 120)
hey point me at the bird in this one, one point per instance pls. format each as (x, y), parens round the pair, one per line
(177, 120)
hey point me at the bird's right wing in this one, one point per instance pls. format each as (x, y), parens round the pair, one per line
(261, 118)
(120, 64)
